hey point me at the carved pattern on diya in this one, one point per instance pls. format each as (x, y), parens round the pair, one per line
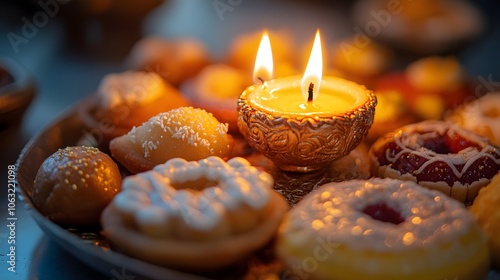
(304, 143)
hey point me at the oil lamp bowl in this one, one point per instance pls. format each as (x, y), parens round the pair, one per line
(304, 143)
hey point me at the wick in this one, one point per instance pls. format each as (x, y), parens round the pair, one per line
(260, 79)
(310, 93)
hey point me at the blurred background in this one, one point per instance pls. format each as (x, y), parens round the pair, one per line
(67, 46)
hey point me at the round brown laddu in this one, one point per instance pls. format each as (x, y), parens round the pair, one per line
(75, 184)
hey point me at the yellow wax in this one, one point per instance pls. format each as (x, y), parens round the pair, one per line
(284, 96)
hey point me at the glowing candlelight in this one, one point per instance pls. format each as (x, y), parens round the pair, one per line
(298, 129)
(311, 80)
(296, 95)
(263, 70)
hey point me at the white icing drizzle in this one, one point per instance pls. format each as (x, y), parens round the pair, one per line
(237, 183)
(473, 115)
(130, 89)
(334, 214)
(409, 139)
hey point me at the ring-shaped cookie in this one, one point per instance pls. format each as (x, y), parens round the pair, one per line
(381, 229)
(198, 215)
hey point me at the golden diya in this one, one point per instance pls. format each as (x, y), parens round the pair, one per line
(303, 123)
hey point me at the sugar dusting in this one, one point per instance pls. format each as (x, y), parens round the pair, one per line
(195, 127)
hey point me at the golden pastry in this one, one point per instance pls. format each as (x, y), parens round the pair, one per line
(75, 184)
(244, 48)
(216, 89)
(186, 132)
(125, 100)
(423, 27)
(174, 60)
(481, 116)
(486, 210)
(361, 61)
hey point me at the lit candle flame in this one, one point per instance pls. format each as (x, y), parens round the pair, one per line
(314, 72)
(263, 69)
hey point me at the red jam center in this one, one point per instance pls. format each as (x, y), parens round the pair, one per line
(445, 144)
(383, 213)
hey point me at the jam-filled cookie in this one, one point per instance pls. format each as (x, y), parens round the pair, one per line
(381, 229)
(437, 155)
